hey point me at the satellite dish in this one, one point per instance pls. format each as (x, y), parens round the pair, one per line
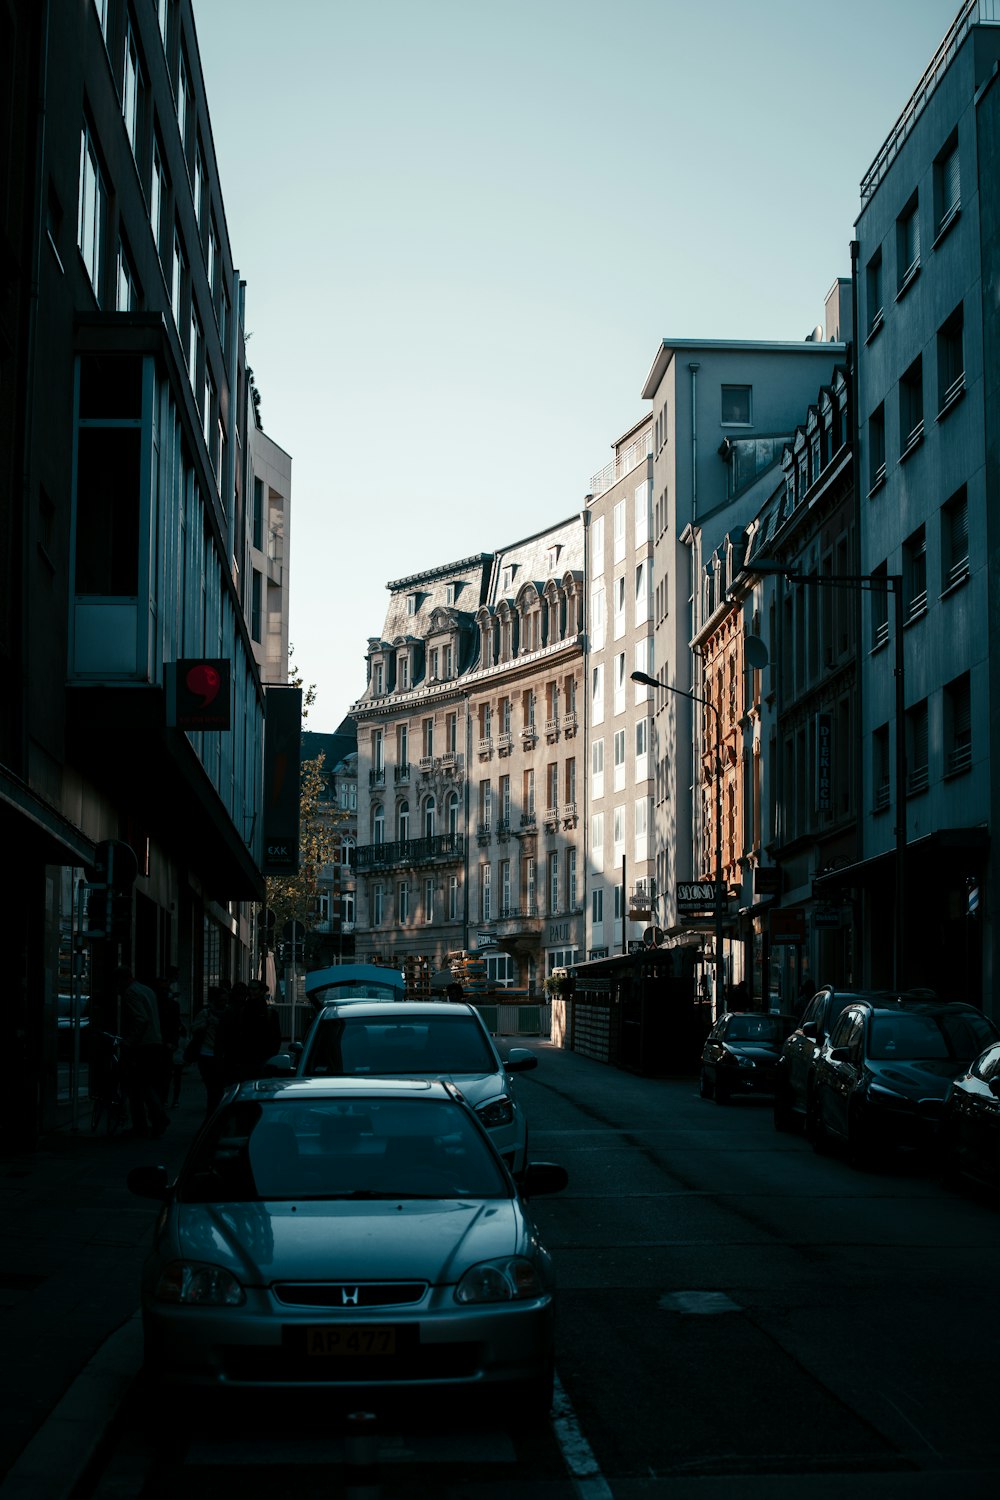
(756, 652)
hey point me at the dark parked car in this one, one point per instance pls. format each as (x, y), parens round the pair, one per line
(741, 1053)
(882, 1076)
(970, 1126)
(794, 1075)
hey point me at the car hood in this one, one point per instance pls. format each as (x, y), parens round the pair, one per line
(927, 1078)
(759, 1051)
(393, 1239)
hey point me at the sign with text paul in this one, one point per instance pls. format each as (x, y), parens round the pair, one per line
(282, 779)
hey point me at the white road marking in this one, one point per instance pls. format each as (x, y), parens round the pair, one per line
(577, 1453)
(699, 1303)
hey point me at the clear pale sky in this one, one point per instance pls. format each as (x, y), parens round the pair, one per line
(465, 229)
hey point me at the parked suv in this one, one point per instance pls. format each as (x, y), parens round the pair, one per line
(881, 1077)
(794, 1073)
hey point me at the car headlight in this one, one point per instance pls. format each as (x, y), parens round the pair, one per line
(737, 1060)
(879, 1094)
(496, 1112)
(195, 1284)
(500, 1281)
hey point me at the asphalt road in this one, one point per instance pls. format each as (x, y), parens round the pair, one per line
(737, 1316)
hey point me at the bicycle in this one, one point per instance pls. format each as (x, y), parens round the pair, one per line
(110, 1101)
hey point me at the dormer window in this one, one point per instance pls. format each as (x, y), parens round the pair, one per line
(507, 578)
(412, 603)
(403, 671)
(432, 664)
(449, 661)
(553, 556)
(451, 593)
(378, 677)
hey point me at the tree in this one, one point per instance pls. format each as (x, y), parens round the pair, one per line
(293, 897)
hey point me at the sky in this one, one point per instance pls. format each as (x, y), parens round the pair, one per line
(466, 228)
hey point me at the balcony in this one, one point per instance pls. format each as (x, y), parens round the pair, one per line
(529, 735)
(551, 730)
(451, 762)
(569, 724)
(503, 828)
(485, 748)
(517, 921)
(569, 815)
(401, 774)
(504, 743)
(377, 777)
(435, 849)
(528, 819)
(550, 817)
(484, 832)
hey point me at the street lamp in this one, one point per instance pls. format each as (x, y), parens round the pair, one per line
(655, 682)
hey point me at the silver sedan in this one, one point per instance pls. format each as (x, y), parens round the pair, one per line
(340, 1233)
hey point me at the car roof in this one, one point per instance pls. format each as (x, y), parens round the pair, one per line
(918, 1004)
(347, 1088)
(402, 1009)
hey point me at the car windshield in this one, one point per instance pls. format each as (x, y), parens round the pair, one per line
(925, 1036)
(290, 1149)
(756, 1029)
(368, 1046)
(355, 989)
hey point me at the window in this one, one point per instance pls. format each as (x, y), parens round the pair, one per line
(958, 725)
(194, 353)
(876, 448)
(198, 186)
(403, 901)
(427, 732)
(529, 885)
(92, 213)
(403, 822)
(597, 768)
(378, 824)
(505, 802)
(403, 671)
(911, 408)
(907, 246)
(552, 786)
(177, 280)
(485, 806)
(597, 906)
(619, 531)
(619, 596)
(620, 683)
(643, 656)
(916, 749)
(256, 596)
(640, 500)
(880, 769)
(597, 547)
(597, 841)
(432, 664)
(506, 889)
(108, 463)
(528, 795)
(951, 360)
(453, 899)
(915, 574)
(641, 827)
(451, 811)
(378, 678)
(570, 879)
(641, 749)
(597, 694)
(955, 540)
(554, 882)
(412, 604)
(619, 759)
(618, 833)
(736, 405)
(507, 579)
(571, 782)
(126, 290)
(428, 900)
(947, 186)
(879, 595)
(157, 197)
(643, 581)
(873, 292)
(378, 903)
(132, 91)
(597, 625)
(182, 97)
(451, 733)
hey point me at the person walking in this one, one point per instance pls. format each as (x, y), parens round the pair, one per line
(143, 1055)
(202, 1046)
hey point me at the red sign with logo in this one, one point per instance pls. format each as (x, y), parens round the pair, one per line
(200, 694)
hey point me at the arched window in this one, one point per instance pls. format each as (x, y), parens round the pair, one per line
(403, 822)
(430, 810)
(453, 806)
(378, 824)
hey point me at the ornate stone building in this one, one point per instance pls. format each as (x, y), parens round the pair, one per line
(469, 815)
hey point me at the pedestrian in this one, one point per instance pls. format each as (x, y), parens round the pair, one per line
(173, 1031)
(202, 1045)
(143, 1055)
(455, 992)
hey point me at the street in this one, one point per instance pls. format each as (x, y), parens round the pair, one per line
(733, 1308)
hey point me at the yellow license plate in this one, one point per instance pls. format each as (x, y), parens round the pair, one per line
(347, 1340)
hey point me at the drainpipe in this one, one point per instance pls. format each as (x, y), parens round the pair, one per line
(694, 367)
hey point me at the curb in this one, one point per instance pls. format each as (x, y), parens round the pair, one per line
(71, 1439)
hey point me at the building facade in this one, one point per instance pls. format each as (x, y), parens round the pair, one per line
(469, 815)
(126, 423)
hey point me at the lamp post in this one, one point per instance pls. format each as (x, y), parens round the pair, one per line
(655, 682)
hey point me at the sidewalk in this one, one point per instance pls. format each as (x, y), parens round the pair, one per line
(72, 1242)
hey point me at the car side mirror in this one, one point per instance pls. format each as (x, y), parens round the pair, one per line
(520, 1060)
(149, 1182)
(281, 1065)
(541, 1177)
(839, 1054)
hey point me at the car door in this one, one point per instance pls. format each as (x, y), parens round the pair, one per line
(842, 1061)
(799, 1050)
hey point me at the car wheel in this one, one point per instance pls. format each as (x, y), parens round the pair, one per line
(706, 1090)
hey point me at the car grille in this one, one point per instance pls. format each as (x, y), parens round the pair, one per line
(349, 1294)
(279, 1366)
